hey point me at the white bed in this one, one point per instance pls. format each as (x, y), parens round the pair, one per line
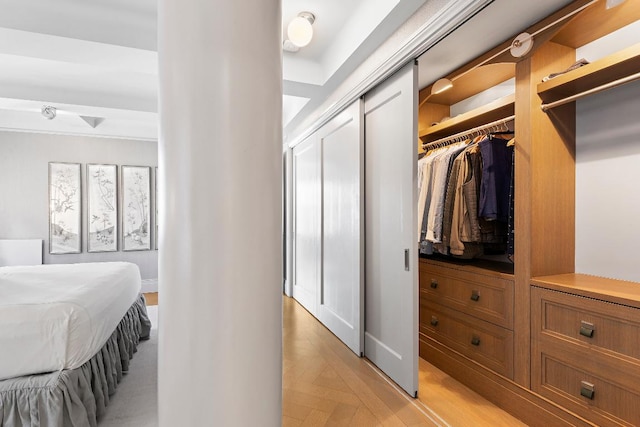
(67, 334)
(57, 317)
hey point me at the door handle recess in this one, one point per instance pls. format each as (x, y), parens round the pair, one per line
(434, 321)
(406, 260)
(587, 329)
(475, 340)
(475, 296)
(587, 390)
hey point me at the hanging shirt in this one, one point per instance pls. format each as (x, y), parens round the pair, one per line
(472, 163)
(441, 169)
(424, 189)
(510, 232)
(463, 211)
(496, 176)
(448, 205)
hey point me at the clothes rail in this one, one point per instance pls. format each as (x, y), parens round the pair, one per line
(468, 132)
(615, 83)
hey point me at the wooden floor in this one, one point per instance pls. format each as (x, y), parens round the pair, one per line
(152, 298)
(324, 383)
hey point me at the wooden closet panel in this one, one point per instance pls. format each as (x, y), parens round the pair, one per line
(544, 190)
(596, 22)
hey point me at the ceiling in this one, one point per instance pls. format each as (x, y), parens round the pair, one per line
(98, 58)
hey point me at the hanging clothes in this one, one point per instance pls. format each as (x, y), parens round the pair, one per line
(464, 209)
(511, 225)
(431, 169)
(442, 168)
(464, 198)
(496, 175)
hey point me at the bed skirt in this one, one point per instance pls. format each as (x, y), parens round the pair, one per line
(76, 397)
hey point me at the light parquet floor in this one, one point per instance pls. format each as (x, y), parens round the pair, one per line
(151, 298)
(324, 383)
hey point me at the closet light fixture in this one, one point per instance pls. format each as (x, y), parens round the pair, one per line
(614, 3)
(300, 30)
(441, 85)
(48, 112)
(521, 45)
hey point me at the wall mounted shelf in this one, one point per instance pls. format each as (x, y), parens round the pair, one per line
(495, 110)
(587, 77)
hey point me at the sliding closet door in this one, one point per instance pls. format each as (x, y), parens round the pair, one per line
(340, 295)
(306, 222)
(391, 277)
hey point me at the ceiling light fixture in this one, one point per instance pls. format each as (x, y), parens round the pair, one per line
(48, 112)
(300, 30)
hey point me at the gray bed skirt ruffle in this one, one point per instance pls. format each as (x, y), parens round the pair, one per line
(76, 397)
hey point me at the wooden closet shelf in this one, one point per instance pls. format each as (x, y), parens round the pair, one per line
(613, 290)
(598, 73)
(495, 110)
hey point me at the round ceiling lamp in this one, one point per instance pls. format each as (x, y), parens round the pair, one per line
(48, 112)
(300, 30)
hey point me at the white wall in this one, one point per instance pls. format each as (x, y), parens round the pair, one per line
(608, 183)
(607, 173)
(24, 159)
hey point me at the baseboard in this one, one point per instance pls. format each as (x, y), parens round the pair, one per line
(522, 403)
(149, 285)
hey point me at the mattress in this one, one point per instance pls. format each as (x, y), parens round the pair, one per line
(57, 316)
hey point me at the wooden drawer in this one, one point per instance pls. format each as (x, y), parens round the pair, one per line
(611, 404)
(486, 297)
(606, 328)
(580, 340)
(486, 343)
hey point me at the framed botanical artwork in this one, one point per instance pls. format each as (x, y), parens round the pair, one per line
(65, 206)
(102, 208)
(136, 209)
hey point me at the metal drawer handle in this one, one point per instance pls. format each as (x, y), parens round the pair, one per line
(586, 329)
(475, 296)
(587, 389)
(434, 321)
(434, 283)
(475, 341)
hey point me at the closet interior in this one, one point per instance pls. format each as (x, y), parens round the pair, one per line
(510, 303)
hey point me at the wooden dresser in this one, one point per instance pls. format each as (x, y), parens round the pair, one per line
(585, 352)
(469, 309)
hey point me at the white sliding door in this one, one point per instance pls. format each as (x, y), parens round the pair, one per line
(391, 277)
(306, 222)
(340, 294)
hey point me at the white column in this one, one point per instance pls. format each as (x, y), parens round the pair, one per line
(220, 163)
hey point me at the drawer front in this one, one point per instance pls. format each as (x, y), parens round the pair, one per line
(605, 327)
(593, 396)
(485, 297)
(487, 344)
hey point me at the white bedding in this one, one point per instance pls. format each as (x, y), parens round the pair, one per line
(57, 316)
